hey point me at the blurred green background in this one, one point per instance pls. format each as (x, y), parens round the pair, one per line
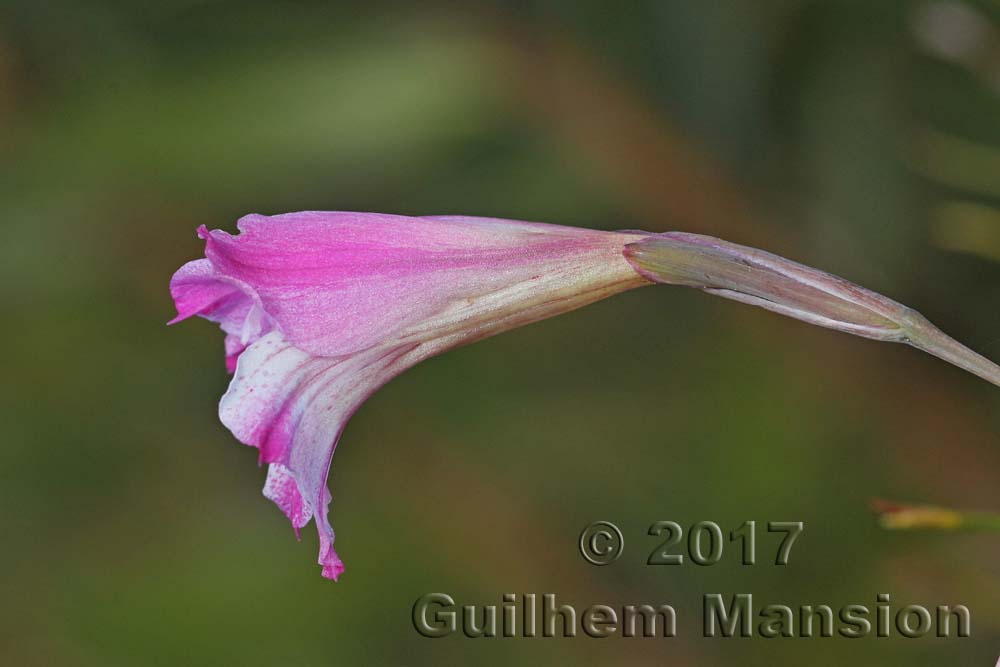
(860, 137)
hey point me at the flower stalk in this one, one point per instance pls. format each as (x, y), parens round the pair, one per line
(766, 280)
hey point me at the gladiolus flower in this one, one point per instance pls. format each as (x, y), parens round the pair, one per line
(320, 309)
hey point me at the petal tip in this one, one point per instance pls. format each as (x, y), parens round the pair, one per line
(333, 569)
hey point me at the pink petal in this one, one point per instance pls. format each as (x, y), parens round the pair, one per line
(335, 283)
(199, 289)
(293, 406)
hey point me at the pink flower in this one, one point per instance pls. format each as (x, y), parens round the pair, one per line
(320, 309)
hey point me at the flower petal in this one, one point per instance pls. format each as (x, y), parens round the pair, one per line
(199, 289)
(293, 406)
(325, 278)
